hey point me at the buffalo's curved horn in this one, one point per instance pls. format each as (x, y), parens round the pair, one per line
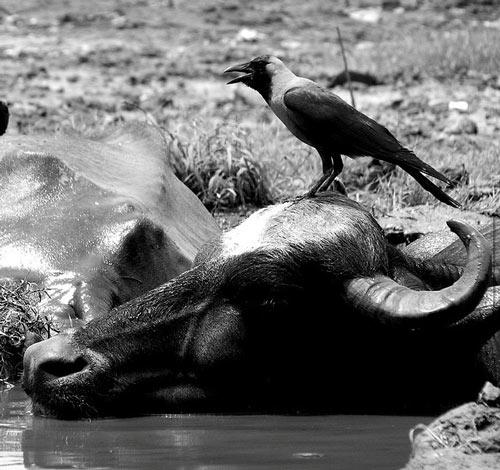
(387, 301)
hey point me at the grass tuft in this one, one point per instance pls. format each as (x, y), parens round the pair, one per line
(219, 167)
(19, 320)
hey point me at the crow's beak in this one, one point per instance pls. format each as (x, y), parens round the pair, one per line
(246, 69)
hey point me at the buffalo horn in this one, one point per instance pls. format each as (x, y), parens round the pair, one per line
(386, 301)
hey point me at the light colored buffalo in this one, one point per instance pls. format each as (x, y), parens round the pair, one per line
(96, 222)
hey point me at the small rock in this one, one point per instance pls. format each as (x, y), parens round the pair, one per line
(495, 24)
(290, 44)
(461, 125)
(120, 22)
(462, 106)
(489, 395)
(308, 455)
(365, 45)
(366, 15)
(249, 35)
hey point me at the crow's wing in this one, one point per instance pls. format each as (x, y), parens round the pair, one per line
(332, 124)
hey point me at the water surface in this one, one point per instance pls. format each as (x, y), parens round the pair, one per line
(201, 442)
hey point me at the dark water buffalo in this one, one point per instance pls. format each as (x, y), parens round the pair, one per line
(295, 310)
(97, 222)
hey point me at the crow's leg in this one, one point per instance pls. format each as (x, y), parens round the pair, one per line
(332, 167)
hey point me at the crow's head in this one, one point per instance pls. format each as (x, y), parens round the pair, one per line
(259, 73)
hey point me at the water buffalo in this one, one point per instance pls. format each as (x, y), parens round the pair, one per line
(97, 222)
(295, 310)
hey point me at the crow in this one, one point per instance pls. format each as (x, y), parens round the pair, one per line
(324, 121)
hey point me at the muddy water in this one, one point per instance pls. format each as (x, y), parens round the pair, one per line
(201, 442)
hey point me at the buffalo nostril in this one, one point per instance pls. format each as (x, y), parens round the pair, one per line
(63, 367)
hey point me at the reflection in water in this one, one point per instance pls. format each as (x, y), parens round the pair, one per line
(201, 442)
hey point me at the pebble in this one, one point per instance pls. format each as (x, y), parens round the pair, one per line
(461, 125)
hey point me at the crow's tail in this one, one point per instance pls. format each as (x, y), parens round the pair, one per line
(407, 158)
(430, 186)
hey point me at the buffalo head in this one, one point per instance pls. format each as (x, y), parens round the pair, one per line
(295, 309)
(95, 221)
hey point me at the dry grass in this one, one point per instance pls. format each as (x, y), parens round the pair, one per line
(438, 54)
(233, 165)
(230, 164)
(19, 319)
(219, 166)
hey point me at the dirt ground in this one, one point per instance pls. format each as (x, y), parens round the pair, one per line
(85, 65)
(464, 438)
